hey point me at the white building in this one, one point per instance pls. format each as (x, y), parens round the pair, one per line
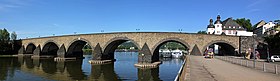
(262, 28)
(226, 27)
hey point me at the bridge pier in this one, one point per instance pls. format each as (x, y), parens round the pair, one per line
(145, 58)
(97, 56)
(21, 51)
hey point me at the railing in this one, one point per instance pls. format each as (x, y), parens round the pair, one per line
(182, 72)
(259, 65)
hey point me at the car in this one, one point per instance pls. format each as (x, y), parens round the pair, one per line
(275, 58)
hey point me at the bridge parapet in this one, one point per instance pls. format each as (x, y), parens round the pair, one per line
(104, 44)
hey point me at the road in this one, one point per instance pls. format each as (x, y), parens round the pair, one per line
(202, 69)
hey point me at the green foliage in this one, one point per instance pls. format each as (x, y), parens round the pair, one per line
(4, 36)
(14, 36)
(246, 23)
(201, 32)
(173, 46)
(273, 41)
(4, 41)
(127, 45)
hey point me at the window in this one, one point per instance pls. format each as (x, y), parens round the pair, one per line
(229, 27)
(233, 26)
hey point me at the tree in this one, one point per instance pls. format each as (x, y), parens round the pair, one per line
(273, 42)
(246, 23)
(4, 40)
(4, 36)
(202, 32)
(14, 36)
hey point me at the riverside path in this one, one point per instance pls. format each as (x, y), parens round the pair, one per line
(202, 69)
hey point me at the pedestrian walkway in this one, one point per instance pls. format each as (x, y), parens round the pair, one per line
(202, 69)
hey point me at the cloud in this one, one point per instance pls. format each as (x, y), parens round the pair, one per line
(55, 25)
(253, 10)
(255, 3)
(11, 4)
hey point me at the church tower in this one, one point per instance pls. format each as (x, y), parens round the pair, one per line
(210, 27)
(218, 25)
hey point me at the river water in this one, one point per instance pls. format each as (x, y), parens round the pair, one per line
(25, 68)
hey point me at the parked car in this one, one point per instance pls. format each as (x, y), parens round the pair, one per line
(275, 58)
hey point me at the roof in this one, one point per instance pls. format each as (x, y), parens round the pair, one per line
(229, 24)
(218, 22)
(259, 24)
(211, 24)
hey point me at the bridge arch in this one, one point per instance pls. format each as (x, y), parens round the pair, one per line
(75, 47)
(112, 45)
(30, 48)
(50, 48)
(156, 47)
(228, 47)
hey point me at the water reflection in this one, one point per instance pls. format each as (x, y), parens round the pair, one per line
(104, 73)
(148, 74)
(25, 68)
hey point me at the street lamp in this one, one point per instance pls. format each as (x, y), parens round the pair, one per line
(180, 30)
(142, 57)
(254, 50)
(267, 51)
(137, 30)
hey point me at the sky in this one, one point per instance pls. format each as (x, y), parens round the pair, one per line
(41, 18)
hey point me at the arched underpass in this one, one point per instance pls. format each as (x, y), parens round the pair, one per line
(30, 48)
(112, 46)
(221, 49)
(76, 49)
(173, 45)
(50, 48)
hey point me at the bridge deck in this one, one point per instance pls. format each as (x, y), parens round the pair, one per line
(217, 70)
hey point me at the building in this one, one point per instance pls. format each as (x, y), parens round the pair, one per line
(263, 29)
(226, 27)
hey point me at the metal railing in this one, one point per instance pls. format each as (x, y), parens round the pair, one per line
(259, 65)
(182, 69)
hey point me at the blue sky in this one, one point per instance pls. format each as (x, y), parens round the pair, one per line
(34, 18)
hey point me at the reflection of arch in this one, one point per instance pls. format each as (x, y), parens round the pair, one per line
(155, 49)
(76, 46)
(112, 45)
(229, 46)
(30, 48)
(50, 48)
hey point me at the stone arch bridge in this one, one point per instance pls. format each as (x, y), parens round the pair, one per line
(104, 44)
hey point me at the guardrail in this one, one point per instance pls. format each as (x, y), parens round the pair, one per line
(182, 72)
(259, 65)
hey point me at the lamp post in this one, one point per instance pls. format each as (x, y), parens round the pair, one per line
(267, 51)
(142, 55)
(254, 50)
(180, 30)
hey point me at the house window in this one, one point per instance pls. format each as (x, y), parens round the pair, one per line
(229, 27)
(233, 26)
(224, 26)
(239, 27)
